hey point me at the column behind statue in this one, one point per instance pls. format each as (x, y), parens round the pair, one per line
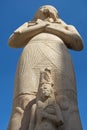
(45, 96)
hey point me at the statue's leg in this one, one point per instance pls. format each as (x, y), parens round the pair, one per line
(20, 113)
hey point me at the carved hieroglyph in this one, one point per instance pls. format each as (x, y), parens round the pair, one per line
(45, 42)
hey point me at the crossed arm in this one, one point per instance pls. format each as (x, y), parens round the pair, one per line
(67, 33)
(25, 32)
(56, 118)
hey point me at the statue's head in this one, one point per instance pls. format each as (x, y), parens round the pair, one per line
(46, 12)
(45, 90)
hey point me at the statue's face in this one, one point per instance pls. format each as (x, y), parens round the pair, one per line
(47, 13)
(45, 90)
(49, 19)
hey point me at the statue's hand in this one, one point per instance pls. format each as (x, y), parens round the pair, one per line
(21, 28)
(44, 23)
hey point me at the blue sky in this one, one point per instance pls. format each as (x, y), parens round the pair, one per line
(13, 14)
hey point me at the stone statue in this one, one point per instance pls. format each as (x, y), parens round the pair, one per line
(45, 40)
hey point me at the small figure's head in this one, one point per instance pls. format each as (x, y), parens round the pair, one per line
(46, 86)
(46, 90)
(46, 12)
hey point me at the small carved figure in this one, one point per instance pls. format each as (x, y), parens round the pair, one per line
(46, 113)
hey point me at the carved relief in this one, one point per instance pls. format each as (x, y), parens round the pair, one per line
(46, 113)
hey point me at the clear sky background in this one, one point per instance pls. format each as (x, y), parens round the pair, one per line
(13, 13)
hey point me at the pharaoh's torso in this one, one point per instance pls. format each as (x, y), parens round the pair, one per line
(45, 50)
